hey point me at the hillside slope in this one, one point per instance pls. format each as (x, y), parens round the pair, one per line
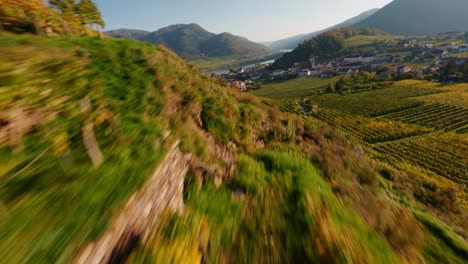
(292, 42)
(419, 17)
(191, 41)
(85, 122)
(128, 33)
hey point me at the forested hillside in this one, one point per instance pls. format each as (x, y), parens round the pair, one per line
(191, 41)
(419, 17)
(293, 42)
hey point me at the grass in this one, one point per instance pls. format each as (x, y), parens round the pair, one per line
(57, 201)
(442, 233)
(296, 88)
(289, 206)
(276, 205)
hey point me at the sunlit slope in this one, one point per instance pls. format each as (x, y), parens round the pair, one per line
(84, 122)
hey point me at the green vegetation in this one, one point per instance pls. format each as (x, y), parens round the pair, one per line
(191, 41)
(290, 189)
(412, 126)
(65, 16)
(295, 88)
(399, 96)
(292, 215)
(328, 45)
(434, 115)
(444, 155)
(368, 129)
(55, 198)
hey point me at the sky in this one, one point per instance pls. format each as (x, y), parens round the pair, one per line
(257, 20)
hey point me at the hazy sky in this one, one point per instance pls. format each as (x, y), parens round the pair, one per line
(258, 20)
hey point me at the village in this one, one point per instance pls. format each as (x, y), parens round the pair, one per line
(405, 58)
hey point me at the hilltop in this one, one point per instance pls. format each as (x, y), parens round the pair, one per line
(328, 45)
(419, 17)
(191, 41)
(293, 42)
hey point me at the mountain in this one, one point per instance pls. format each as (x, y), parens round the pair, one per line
(419, 17)
(128, 33)
(191, 41)
(325, 46)
(292, 42)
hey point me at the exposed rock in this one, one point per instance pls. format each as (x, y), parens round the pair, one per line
(91, 144)
(134, 224)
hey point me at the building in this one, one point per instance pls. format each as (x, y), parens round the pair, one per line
(447, 46)
(440, 53)
(463, 48)
(305, 73)
(404, 69)
(238, 85)
(359, 59)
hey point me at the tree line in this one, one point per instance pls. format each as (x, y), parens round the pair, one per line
(325, 46)
(70, 16)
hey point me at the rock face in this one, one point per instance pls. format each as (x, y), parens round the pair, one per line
(134, 224)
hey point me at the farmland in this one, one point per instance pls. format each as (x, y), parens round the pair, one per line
(433, 115)
(417, 128)
(444, 155)
(376, 102)
(296, 88)
(369, 130)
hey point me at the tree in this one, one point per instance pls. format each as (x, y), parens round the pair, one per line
(89, 13)
(451, 68)
(64, 6)
(330, 88)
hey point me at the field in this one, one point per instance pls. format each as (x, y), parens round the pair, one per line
(401, 95)
(436, 116)
(417, 128)
(445, 155)
(296, 88)
(370, 130)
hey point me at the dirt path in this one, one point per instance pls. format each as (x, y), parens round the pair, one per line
(134, 224)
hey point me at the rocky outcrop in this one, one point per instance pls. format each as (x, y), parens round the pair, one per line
(134, 224)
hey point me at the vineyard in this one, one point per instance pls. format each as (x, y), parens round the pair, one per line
(417, 128)
(376, 102)
(370, 130)
(443, 154)
(286, 105)
(435, 116)
(296, 88)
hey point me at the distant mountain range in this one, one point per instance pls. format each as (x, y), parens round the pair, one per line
(191, 41)
(419, 17)
(292, 42)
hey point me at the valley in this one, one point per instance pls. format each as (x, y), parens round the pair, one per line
(409, 126)
(122, 146)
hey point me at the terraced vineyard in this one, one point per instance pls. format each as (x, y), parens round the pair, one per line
(370, 130)
(377, 102)
(435, 116)
(443, 154)
(285, 105)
